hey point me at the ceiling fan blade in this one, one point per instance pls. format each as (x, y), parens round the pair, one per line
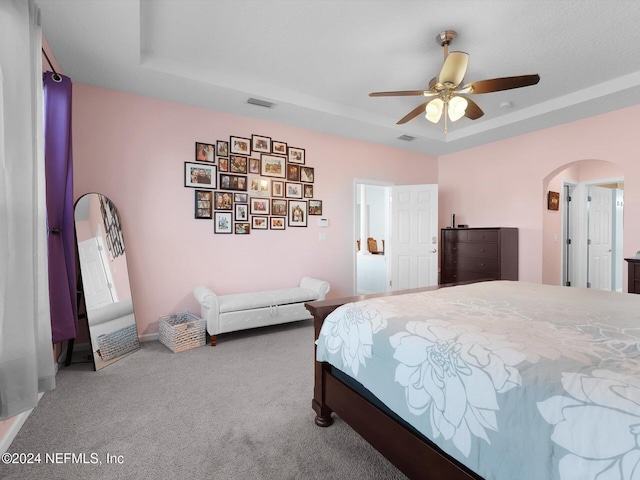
(473, 111)
(412, 114)
(454, 68)
(504, 83)
(402, 93)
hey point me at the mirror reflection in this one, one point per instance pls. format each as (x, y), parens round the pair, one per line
(104, 285)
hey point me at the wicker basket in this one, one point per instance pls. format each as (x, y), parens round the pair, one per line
(182, 331)
(114, 344)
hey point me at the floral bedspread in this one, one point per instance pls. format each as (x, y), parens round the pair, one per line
(513, 379)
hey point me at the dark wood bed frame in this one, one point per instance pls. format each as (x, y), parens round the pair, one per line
(391, 438)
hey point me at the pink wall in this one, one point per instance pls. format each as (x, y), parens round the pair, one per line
(133, 149)
(505, 183)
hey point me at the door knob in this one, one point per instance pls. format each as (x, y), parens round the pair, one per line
(433, 251)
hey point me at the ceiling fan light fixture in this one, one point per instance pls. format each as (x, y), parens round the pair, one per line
(457, 108)
(433, 110)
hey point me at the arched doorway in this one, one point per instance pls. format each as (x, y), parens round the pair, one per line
(582, 240)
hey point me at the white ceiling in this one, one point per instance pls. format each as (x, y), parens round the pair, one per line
(318, 60)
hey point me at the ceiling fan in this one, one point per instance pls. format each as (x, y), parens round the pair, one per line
(447, 91)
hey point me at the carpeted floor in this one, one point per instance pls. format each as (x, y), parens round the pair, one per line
(241, 410)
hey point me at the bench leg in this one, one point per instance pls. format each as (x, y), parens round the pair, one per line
(214, 339)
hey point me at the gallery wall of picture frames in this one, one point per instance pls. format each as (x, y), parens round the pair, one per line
(247, 184)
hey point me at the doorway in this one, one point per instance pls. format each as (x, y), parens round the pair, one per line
(395, 236)
(592, 234)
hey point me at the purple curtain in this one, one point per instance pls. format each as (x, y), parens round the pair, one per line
(58, 160)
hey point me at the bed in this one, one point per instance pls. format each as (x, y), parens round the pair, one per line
(493, 380)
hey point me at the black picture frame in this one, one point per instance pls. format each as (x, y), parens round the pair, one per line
(240, 146)
(203, 204)
(222, 148)
(238, 164)
(260, 143)
(223, 201)
(199, 175)
(228, 181)
(315, 207)
(222, 223)
(259, 222)
(307, 174)
(279, 207)
(205, 152)
(279, 148)
(297, 216)
(296, 155)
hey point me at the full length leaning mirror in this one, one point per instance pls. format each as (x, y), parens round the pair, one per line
(105, 280)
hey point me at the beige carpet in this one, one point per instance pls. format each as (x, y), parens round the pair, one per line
(240, 410)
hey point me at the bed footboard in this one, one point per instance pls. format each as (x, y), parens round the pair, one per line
(391, 438)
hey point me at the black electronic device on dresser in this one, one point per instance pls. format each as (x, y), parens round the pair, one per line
(633, 275)
(478, 254)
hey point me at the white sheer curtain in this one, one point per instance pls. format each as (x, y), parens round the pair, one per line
(26, 357)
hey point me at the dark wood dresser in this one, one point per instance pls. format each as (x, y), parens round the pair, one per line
(478, 254)
(634, 275)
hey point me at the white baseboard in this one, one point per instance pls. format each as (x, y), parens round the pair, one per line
(149, 337)
(7, 440)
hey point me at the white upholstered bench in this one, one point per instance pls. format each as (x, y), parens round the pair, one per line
(230, 313)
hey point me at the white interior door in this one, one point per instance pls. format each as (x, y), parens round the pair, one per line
(96, 280)
(600, 237)
(413, 241)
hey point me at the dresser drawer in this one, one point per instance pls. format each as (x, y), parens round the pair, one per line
(450, 276)
(473, 249)
(636, 272)
(482, 236)
(471, 264)
(453, 235)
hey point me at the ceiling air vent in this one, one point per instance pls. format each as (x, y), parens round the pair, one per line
(260, 103)
(406, 138)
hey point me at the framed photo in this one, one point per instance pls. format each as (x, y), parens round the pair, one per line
(205, 152)
(278, 207)
(240, 198)
(240, 145)
(203, 203)
(233, 182)
(296, 155)
(553, 201)
(242, 228)
(308, 191)
(259, 206)
(315, 207)
(277, 188)
(294, 190)
(222, 148)
(259, 222)
(237, 164)
(297, 213)
(223, 201)
(242, 212)
(306, 174)
(254, 165)
(223, 164)
(222, 222)
(293, 172)
(259, 186)
(279, 148)
(272, 165)
(260, 144)
(199, 175)
(276, 223)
